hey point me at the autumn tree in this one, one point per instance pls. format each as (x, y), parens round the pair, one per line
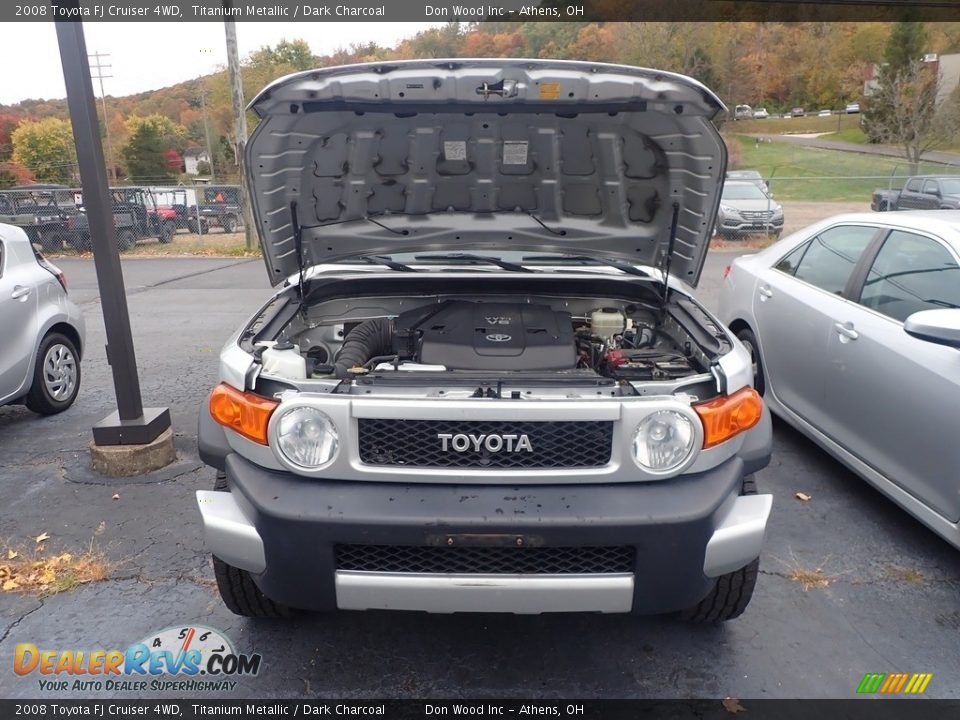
(13, 173)
(903, 110)
(45, 148)
(8, 123)
(146, 151)
(295, 54)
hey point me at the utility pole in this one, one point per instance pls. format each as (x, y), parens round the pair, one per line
(132, 424)
(206, 127)
(240, 123)
(99, 67)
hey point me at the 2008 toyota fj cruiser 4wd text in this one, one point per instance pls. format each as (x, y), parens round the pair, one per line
(485, 385)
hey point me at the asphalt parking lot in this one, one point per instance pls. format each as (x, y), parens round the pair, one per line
(850, 584)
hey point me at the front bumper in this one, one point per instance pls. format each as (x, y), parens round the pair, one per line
(736, 224)
(685, 532)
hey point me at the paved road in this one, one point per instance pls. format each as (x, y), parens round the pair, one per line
(947, 158)
(891, 602)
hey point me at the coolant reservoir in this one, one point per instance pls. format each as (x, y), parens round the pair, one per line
(606, 322)
(284, 360)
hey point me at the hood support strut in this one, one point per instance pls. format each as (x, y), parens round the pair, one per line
(666, 265)
(298, 245)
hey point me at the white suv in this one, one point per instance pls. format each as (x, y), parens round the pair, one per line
(485, 384)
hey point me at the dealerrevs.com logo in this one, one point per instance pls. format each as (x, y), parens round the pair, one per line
(192, 658)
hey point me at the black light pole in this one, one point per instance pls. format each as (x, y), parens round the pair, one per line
(131, 424)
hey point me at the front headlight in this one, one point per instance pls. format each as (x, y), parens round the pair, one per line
(663, 441)
(778, 211)
(727, 210)
(306, 437)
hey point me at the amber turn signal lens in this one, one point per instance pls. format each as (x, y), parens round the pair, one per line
(727, 416)
(243, 412)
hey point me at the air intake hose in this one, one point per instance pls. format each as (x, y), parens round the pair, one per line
(368, 339)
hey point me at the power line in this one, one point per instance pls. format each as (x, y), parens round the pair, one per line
(98, 67)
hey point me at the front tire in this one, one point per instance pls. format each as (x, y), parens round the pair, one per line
(229, 224)
(733, 591)
(236, 587)
(126, 240)
(749, 341)
(56, 376)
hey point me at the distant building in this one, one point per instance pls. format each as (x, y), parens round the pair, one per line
(947, 68)
(192, 159)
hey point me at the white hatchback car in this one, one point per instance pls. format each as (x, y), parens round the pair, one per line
(42, 329)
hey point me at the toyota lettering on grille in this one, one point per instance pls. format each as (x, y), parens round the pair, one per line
(462, 442)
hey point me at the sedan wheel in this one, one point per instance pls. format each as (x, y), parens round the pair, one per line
(56, 377)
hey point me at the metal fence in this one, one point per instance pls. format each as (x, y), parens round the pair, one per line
(54, 219)
(207, 219)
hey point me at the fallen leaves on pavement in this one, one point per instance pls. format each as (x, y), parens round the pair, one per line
(41, 537)
(52, 574)
(732, 705)
(803, 497)
(810, 578)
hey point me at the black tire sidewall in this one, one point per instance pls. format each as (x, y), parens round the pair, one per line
(747, 337)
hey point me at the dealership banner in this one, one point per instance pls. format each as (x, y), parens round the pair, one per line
(476, 10)
(407, 709)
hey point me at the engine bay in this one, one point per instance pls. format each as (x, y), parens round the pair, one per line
(459, 339)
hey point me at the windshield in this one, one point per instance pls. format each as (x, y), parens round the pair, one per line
(950, 187)
(745, 191)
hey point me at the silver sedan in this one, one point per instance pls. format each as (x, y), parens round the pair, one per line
(41, 329)
(854, 328)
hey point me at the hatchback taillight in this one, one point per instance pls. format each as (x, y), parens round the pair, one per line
(53, 270)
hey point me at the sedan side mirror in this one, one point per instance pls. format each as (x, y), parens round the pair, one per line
(936, 326)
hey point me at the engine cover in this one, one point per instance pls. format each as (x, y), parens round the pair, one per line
(491, 336)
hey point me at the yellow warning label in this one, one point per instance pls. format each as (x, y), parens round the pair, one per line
(550, 91)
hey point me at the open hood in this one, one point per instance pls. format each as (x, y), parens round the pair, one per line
(499, 154)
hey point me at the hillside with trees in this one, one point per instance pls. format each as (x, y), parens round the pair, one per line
(774, 65)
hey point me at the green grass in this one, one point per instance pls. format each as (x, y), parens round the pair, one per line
(841, 170)
(854, 135)
(781, 126)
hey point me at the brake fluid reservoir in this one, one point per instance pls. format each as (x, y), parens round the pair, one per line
(284, 360)
(607, 322)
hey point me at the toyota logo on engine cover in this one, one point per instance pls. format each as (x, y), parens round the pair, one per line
(497, 337)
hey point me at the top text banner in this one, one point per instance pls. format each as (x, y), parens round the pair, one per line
(475, 11)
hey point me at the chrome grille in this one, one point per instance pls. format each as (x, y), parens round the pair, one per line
(485, 560)
(415, 443)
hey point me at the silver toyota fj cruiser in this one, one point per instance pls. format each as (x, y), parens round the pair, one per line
(485, 384)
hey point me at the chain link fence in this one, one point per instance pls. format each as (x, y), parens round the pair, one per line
(758, 206)
(184, 217)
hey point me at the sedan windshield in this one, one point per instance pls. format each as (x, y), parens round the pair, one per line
(745, 191)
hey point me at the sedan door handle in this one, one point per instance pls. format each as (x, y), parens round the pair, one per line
(845, 330)
(19, 291)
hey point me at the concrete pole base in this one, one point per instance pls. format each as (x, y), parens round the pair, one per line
(131, 460)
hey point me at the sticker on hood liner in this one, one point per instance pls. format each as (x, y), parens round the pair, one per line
(455, 149)
(515, 153)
